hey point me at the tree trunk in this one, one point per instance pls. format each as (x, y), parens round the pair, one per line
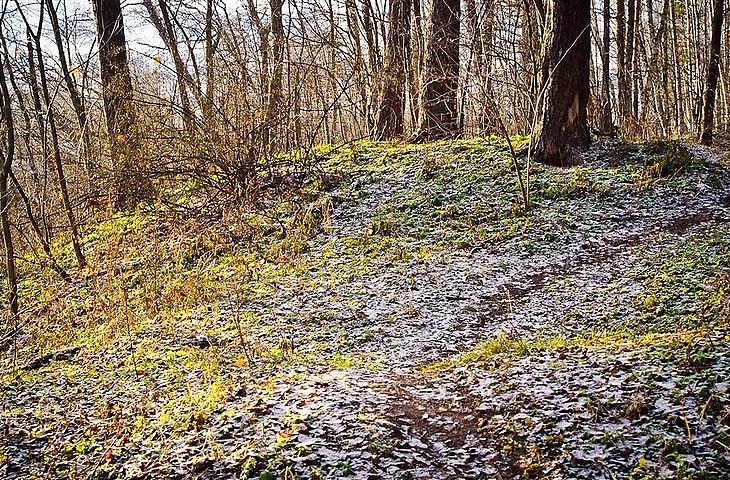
(116, 81)
(606, 118)
(638, 48)
(564, 131)
(6, 158)
(274, 95)
(359, 72)
(26, 200)
(116, 84)
(621, 59)
(677, 71)
(374, 66)
(161, 21)
(50, 122)
(76, 99)
(713, 72)
(439, 106)
(628, 67)
(393, 103)
(415, 65)
(211, 45)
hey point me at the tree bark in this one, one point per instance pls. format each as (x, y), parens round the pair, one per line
(626, 89)
(211, 44)
(621, 57)
(274, 93)
(116, 81)
(116, 84)
(439, 104)
(713, 72)
(564, 130)
(392, 106)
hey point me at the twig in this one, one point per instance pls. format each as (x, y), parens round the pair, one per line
(702, 413)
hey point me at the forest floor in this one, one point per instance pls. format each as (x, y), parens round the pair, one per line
(399, 317)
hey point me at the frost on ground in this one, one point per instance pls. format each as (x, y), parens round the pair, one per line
(426, 329)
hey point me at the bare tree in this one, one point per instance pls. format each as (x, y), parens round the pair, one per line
(275, 94)
(47, 124)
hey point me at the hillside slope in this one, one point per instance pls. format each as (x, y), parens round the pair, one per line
(399, 316)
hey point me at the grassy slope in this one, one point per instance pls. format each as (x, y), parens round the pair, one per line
(161, 285)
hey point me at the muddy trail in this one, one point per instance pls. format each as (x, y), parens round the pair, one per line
(573, 346)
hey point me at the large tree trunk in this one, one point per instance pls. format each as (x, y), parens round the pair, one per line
(116, 81)
(713, 72)
(393, 103)
(564, 131)
(116, 84)
(439, 105)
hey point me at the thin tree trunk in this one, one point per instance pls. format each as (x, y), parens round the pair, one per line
(373, 61)
(211, 45)
(713, 72)
(606, 118)
(41, 125)
(628, 67)
(60, 172)
(161, 21)
(415, 70)
(621, 58)
(359, 74)
(677, 90)
(274, 91)
(635, 79)
(76, 99)
(7, 164)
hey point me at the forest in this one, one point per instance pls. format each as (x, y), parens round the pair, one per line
(368, 239)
